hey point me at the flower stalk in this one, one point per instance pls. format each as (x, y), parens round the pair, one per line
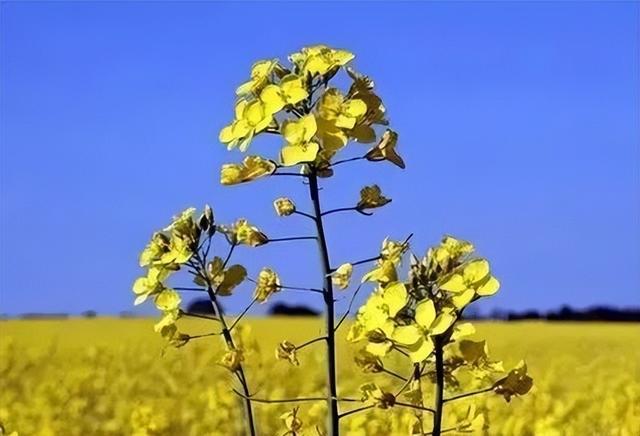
(333, 416)
(228, 339)
(439, 388)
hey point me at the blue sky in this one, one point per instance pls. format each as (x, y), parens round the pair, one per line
(518, 122)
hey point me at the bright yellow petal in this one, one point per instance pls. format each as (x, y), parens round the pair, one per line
(295, 154)
(226, 134)
(355, 108)
(476, 270)
(454, 283)
(272, 98)
(395, 297)
(378, 349)
(425, 313)
(490, 287)
(406, 335)
(463, 298)
(442, 323)
(421, 350)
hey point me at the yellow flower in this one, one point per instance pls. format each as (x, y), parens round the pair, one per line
(252, 117)
(374, 319)
(517, 382)
(362, 89)
(368, 362)
(449, 252)
(251, 168)
(385, 268)
(260, 74)
(320, 59)
(371, 197)
(241, 232)
(372, 394)
(167, 321)
(342, 275)
(232, 277)
(290, 91)
(168, 300)
(232, 359)
(299, 147)
(185, 235)
(332, 138)
(472, 278)
(384, 272)
(393, 250)
(417, 337)
(287, 351)
(291, 421)
(153, 252)
(386, 149)
(268, 283)
(284, 206)
(152, 284)
(333, 106)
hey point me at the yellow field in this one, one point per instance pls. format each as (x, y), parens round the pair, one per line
(107, 376)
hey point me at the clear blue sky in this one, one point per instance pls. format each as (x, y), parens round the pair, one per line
(518, 121)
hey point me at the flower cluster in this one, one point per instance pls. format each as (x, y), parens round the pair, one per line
(314, 119)
(167, 252)
(417, 315)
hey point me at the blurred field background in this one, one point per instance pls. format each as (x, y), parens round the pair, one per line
(110, 376)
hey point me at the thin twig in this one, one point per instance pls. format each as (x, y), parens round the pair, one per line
(189, 289)
(413, 406)
(296, 288)
(237, 320)
(367, 260)
(346, 314)
(206, 335)
(312, 341)
(290, 174)
(293, 238)
(297, 212)
(226, 260)
(198, 315)
(352, 159)
(289, 400)
(396, 375)
(468, 394)
(346, 209)
(351, 412)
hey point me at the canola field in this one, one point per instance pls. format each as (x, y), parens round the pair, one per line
(111, 377)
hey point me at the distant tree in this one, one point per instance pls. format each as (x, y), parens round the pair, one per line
(285, 309)
(202, 306)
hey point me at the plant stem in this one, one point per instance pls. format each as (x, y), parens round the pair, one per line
(439, 388)
(226, 334)
(468, 394)
(333, 416)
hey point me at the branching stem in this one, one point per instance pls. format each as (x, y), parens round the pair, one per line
(226, 333)
(292, 238)
(312, 341)
(439, 388)
(346, 209)
(333, 415)
(468, 394)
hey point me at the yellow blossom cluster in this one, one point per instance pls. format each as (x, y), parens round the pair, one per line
(314, 119)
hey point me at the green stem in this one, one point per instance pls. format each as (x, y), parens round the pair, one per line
(333, 416)
(439, 388)
(226, 333)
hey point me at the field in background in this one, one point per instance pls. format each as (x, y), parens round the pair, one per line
(109, 376)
